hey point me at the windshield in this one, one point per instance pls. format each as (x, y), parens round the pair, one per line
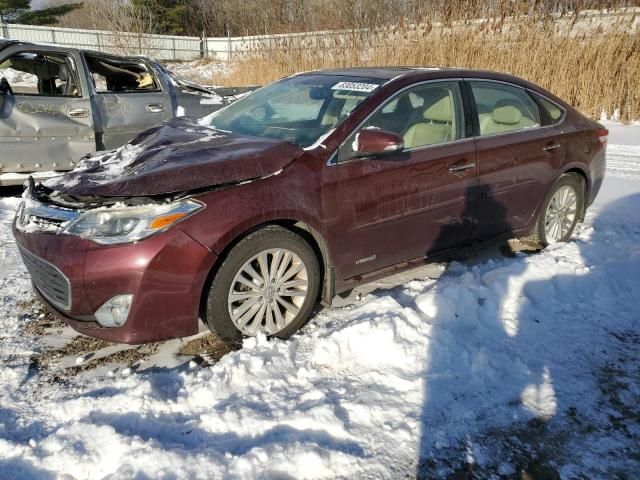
(300, 109)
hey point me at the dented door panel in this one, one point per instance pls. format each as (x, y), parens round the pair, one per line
(123, 116)
(43, 133)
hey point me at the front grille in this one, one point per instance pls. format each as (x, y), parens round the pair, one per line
(49, 280)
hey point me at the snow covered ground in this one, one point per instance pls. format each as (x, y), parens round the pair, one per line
(502, 365)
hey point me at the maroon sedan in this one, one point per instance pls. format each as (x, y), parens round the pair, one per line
(302, 190)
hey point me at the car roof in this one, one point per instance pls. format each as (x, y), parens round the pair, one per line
(428, 73)
(383, 73)
(392, 73)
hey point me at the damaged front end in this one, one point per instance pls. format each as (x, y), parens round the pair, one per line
(103, 266)
(103, 221)
(178, 156)
(148, 185)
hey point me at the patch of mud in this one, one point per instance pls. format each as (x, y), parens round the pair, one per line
(128, 358)
(38, 320)
(44, 322)
(79, 345)
(526, 451)
(208, 349)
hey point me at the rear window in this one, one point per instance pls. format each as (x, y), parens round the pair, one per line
(553, 111)
(503, 108)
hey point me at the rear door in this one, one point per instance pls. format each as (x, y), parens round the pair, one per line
(129, 97)
(45, 114)
(410, 204)
(518, 157)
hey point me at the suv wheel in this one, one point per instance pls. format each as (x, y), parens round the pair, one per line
(268, 284)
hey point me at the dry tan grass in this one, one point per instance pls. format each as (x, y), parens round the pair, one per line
(592, 64)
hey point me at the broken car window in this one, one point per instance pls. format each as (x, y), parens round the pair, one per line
(40, 73)
(118, 75)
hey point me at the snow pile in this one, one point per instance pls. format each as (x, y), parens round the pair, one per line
(500, 362)
(199, 71)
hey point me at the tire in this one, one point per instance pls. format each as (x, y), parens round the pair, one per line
(548, 231)
(242, 271)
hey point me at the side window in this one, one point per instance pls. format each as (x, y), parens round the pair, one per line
(41, 73)
(120, 75)
(503, 108)
(424, 115)
(554, 112)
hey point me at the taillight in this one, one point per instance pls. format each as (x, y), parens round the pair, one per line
(603, 136)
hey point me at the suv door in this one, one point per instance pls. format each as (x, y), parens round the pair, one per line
(518, 157)
(45, 111)
(421, 200)
(128, 97)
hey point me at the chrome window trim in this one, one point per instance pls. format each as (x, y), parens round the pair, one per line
(65, 307)
(513, 132)
(333, 160)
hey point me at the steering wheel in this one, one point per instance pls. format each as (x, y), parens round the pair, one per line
(5, 88)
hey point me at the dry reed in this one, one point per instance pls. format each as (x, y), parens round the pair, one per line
(592, 62)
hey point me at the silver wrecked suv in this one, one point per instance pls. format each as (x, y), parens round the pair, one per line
(58, 104)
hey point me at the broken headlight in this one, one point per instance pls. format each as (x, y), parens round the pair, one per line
(113, 225)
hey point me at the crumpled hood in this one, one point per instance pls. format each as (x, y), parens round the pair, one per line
(176, 156)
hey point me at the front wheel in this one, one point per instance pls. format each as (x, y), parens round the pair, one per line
(560, 212)
(268, 284)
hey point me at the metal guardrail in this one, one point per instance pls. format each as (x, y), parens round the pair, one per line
(173, 47)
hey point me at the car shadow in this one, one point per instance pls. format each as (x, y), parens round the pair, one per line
(511, 383)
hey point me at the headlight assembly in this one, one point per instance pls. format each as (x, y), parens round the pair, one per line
(113, 225)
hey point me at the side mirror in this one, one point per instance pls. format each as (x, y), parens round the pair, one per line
(372, 142)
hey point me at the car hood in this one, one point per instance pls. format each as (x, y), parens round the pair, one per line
(177, 156)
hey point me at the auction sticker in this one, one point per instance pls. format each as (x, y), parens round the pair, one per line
(356, 86)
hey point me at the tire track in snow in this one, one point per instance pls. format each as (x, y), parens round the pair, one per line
(623, 161)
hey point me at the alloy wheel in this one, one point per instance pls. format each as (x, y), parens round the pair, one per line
(268, 292)
(561, 214)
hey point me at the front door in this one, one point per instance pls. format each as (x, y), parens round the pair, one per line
(129, 98)
(416, 202)
(45, 111)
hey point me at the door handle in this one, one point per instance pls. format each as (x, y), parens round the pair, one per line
(78, 113)
(551, 148)
(461, 167)
(155, 108)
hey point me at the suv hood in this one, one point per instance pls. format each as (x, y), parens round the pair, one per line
(178, 156)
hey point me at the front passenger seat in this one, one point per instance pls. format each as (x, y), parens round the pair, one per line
(436, 129)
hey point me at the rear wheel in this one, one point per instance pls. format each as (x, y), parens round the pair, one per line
(268, 284)
(560, 212)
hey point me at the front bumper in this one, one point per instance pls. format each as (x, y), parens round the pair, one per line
(165, 274)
